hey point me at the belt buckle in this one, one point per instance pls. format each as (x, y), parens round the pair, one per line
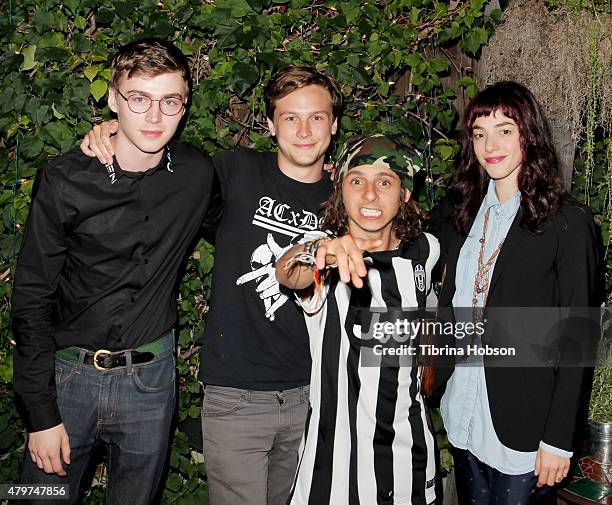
(95, 359)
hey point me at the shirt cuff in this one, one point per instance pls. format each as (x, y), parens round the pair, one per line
(555, 450)
(42, 417)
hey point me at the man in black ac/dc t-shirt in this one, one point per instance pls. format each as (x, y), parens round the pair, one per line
(255, 338)
(255, 359)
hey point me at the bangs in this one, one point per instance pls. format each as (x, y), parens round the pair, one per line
(490, 101)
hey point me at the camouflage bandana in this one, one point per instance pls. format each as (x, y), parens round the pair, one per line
(383, 151)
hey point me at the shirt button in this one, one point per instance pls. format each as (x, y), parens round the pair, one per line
(146, 261)
(146, 218)
(132, 299)
(498, 210)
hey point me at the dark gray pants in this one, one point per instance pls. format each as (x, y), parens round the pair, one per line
(251, 442)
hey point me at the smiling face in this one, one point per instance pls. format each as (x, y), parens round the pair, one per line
(303, 125)
(144, 136)
(497, 146)
(371, 195)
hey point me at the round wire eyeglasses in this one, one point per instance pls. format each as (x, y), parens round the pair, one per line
(168, 105)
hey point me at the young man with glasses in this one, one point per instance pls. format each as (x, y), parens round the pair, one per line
(94, 299)
(255, 359)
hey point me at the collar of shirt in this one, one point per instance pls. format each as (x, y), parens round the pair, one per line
(115, 172)
(506, 210)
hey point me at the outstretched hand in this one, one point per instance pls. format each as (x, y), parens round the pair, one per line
(347, 255)
(97, 143)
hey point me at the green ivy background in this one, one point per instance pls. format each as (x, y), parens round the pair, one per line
(390, 57)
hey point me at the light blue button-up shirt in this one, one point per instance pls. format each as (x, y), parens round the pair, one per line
(465, 404)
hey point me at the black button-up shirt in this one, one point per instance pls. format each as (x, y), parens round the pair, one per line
(100, 262)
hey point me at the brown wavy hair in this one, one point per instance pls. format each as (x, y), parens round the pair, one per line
(542, 191)
(407, 224)
(294, 77)
(149, 57)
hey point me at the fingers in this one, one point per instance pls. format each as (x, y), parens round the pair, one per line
(544, 478)
(98, 142)
(106, 130)
(47, 446)
(331, 169)
(65, 448)
(102, 138)
(550, 468)
(85, 147)
(48, 461)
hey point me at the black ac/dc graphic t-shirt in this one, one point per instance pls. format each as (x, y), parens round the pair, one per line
(255, 336)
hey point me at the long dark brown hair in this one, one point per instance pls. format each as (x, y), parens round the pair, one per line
(407, 224)
(542, 191)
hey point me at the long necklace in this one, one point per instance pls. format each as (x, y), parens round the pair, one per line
(481, 280)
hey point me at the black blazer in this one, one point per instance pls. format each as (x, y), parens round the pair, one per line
(558, 268)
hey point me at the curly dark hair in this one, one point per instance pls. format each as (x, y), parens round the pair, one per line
(407, 224)
(542, 191)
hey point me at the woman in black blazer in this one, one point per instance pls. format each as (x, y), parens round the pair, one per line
(512, 238)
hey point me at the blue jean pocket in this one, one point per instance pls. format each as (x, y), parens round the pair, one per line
(64, 371)
(156, 376)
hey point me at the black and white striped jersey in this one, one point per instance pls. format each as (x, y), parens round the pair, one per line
(367, 439)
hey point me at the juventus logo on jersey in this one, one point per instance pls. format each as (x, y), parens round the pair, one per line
(419, 277)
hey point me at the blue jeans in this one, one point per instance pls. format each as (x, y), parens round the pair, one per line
(129, 409)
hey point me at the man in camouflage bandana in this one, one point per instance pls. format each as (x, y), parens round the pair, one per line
(381, 150)
(363, 212)
(360, 394)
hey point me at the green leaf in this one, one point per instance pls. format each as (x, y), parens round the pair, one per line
(474, 40)
(58, 134)
(237, 8)
(445, 152)
(80, 22)
(244, 76)
(58, 54)
(43, 21)
(194, 411)
(56, 113)
(72, 5)
(181, 443)
(98, 89)
(412, 60)
(90, 72)
(476, 5)
(438, 65)
(29, 62)
(51, 39)
(31, 146)
(496, 15)
(105, 16)
(174, 482)
(80, 43)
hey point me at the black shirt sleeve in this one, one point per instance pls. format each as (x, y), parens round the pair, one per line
(41, 259)
(214, 212)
